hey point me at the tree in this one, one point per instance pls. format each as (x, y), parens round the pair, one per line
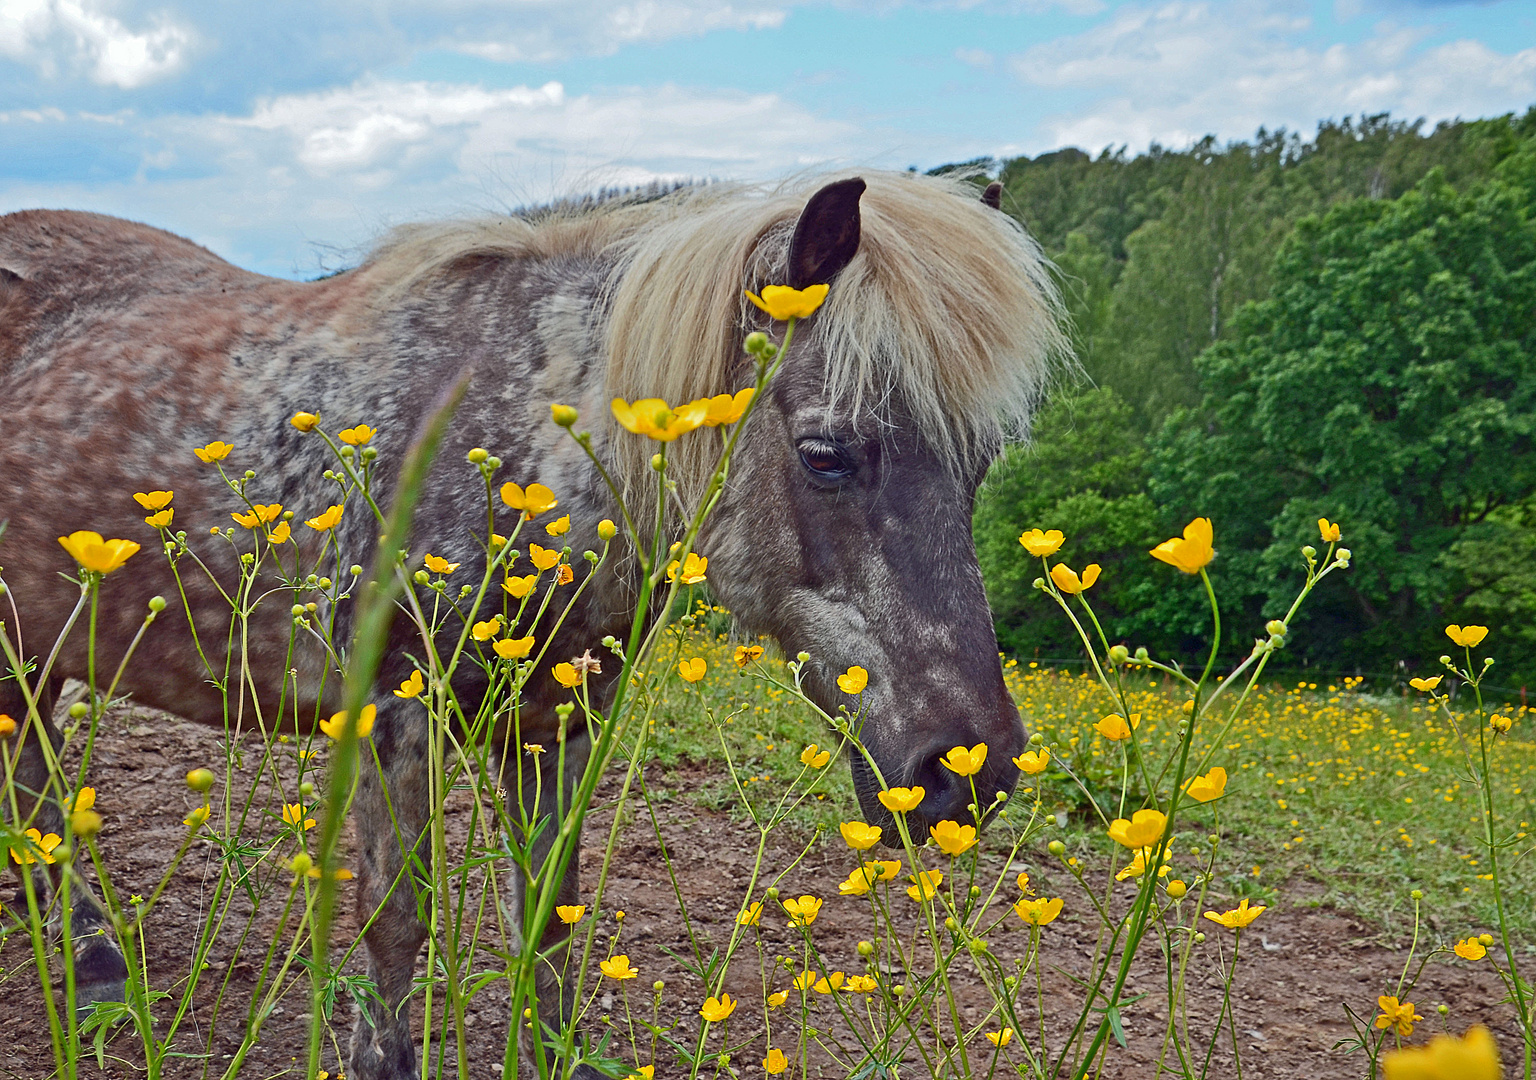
(1388, 383)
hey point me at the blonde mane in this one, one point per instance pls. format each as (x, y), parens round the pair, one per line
(948, 308)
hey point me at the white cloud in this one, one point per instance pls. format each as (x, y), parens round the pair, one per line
(976, 58)
(562, 28)
(55, 36)
(1182, 70)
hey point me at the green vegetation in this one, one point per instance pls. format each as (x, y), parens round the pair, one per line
(1278, 331)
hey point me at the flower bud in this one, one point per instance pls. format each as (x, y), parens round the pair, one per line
(899, 990)
(1446, 660)
(1119, 654)
(1417, 894)
(1277, 628)
(658, 986)
(1309, 551)
(85, 822)
(1037, 739)
(477, 455)
(1486, 939)
(803, 656)
(1443, 1009)
(607, 530)
(755, 342)
(1038, 583)
(79, 711)
(157, 604)
(1141, 655)
(772, 893)
(866, 948)
(657, 462)
(564, 709)
(563, 415)
(200, 780)
(301, 864)
(355, 570)
(307, 790)
(1056, 848)
(951, 925)
(1199, 939)
(493, 463)
(1344, 555)
(1177, 889)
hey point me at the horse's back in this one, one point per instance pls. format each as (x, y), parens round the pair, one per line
(58, 267)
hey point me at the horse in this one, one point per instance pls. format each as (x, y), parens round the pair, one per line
(844, 530)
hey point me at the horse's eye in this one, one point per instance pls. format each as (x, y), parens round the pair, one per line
(825, 460)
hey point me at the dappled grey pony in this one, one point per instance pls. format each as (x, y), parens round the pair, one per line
(844, 532)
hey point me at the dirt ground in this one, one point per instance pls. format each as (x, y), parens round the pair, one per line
(1301, 964)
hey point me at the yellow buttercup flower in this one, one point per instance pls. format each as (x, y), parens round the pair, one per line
(1040, 544)
(1138, 865)
(814, 756)
(1329, 530)
(745, 654)
(691, 570)
(160, 519)
(305, 421)
(853, 681)
(1038, 912)
(857, 883)
(1396, 1014)
(718, 1009)
(619, 967)
(559, 527)
(532, 501)
(356, 436)
(1000, 1038)
(1068, 582)
(860, 984)
(692, 670)
(1033, 761)
(338, 722)
(328, 520)
(828, 983)
(1114, 728)
(1144, 829)
(963, 762)
(1470, 949)
(775, 1000)
(278, 535)
(1191, 552)
(261, 514)
(1467, 636)
(751, 915)
(293, 814)
(1208, 787)
(1474, 1056)
(41, 847)
(783, 303)
(1426, 684)
(1501, 723)
(652, 417)
(775, 1062)
(153, 500)
(214, 451)
(543, 558)
(924, 884)
(412, 687)
(571, 914)
(484, 631)
(952, 837)
(1239, 917)
(728, 408)
(520, 587)
(514, 648)
(439, 565)
(803, 911)
(95, 554)
(899, 800)
(566, 675)
(859, 836)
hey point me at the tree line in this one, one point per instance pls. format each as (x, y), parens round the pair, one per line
(1273, 331)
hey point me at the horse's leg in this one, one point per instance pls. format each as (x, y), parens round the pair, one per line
(387, 830)
(100, 973)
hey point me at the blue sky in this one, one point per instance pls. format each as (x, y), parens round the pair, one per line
(287, 135)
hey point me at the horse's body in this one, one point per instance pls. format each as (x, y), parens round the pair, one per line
(122, 347)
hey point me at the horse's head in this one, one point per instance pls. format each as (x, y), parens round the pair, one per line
(846, 528)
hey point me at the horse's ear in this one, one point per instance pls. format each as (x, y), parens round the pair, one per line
(827, 234)
(993, 196)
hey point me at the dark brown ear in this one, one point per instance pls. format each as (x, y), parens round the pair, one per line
(827, 234)
(993, 196)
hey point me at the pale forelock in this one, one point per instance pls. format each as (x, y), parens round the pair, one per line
(948, 309)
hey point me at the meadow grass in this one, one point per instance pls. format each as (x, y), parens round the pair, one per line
(1341, 793)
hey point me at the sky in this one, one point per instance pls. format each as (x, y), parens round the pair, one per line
(287, 135)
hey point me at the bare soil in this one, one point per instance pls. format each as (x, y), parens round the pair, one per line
(1301, 964)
